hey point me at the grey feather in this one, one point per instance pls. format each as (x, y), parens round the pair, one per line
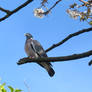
(39, 49)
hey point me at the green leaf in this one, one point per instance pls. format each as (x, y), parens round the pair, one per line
(11, 88)
(4, 90)
(2, 86)
(18, 90)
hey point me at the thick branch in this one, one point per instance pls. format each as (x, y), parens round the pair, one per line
(55, 59)
(9, 13)
(68, 37)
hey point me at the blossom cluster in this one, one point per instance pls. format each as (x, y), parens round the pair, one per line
(39, 12)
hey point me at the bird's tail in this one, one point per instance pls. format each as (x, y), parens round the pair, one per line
(48, 68)
(50, 71)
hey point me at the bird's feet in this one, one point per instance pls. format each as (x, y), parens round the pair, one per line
(31, 57)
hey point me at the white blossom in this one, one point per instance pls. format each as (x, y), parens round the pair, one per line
(39, 12)
(73, 13)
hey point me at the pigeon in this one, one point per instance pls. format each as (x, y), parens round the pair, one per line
(34, 50)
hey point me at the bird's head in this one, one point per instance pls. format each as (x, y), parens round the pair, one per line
(28, 35)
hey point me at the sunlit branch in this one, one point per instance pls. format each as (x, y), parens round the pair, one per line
(85, 2)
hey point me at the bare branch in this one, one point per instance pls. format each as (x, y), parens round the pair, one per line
(9, 13)
(4, 10)
(52, 7)
(55, 59)
(68, 37)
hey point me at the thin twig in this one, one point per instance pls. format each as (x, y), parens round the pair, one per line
(27, 86)
(52, 7)
(67, 38)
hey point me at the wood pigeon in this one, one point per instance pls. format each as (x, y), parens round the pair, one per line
(34, 50)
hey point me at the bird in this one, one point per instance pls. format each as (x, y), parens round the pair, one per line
(34, 49)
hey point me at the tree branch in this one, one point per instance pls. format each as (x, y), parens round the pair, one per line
(67, 38)
(55, 59)
(62, 58)
(52, 7)
(9, 13)
(4, 10)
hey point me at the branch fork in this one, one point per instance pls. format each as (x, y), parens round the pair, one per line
(61, 58)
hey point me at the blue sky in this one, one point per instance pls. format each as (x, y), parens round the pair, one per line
(71, 76)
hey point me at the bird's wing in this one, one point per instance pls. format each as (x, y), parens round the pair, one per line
(38, 48)
(40, 51)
